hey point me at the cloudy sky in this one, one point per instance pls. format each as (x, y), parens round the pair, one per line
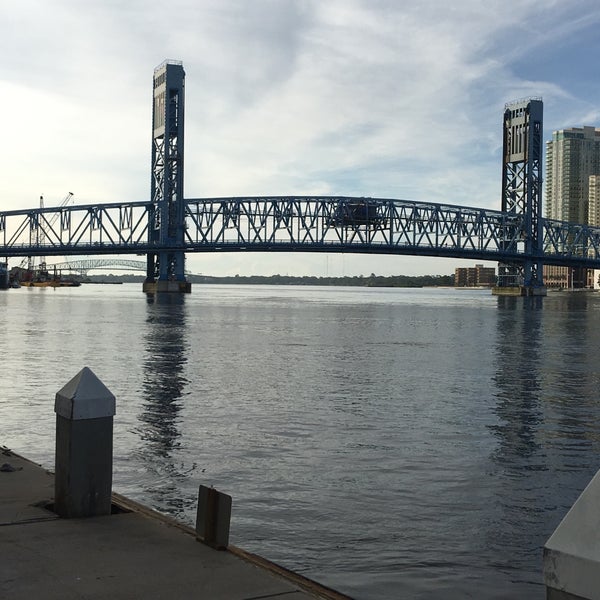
(381, 98)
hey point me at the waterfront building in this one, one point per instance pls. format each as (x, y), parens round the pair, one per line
(567, 277)
(476, 276)
(594, 200)
(572, 156)
(572, 167)
(594, 214)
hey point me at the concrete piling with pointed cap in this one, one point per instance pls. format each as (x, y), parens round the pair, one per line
(84, 440)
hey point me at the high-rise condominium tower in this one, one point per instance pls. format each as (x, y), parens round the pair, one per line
(572, 164)
(594, 201)
(571, 157)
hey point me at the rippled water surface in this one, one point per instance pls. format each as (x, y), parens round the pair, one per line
(385, 442)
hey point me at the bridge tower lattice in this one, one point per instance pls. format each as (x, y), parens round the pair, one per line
(521, 192)
(166, 269)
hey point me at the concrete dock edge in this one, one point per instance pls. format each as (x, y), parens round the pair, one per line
(63, 558)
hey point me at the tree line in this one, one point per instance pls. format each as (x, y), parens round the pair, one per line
(372, 280)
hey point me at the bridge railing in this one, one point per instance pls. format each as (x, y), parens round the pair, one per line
(298, 223)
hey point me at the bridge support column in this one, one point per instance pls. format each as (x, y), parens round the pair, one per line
(165, 272)
(521, 198)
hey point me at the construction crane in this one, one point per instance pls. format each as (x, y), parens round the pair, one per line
(29, 262)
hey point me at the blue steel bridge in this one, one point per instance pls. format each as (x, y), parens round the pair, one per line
(298, 224)
(168, 226)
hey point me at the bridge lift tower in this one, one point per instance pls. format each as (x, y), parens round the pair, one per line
(166, 269)
(521, 196)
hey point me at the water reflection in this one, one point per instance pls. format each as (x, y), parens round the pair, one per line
(519, 457)
(547, 429)
(164, 390)
(572, 381)
(517, 380)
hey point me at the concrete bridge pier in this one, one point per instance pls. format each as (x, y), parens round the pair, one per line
(167, 274)
(178, 287)
(520, 290)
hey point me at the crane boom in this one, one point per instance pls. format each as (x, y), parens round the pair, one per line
(40, 233)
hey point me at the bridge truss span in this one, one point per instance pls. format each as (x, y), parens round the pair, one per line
(85, 229)
(298, 224)
(349, 224)
(570, 244)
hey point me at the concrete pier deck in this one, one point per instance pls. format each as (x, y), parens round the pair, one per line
(133, 553)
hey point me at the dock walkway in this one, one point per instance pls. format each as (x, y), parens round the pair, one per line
(133, 553)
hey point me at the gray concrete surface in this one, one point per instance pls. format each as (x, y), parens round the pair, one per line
(128, 555)
(572, 553)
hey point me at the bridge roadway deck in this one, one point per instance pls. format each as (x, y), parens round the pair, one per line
(128, 555)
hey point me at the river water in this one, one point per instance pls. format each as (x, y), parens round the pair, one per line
(385, 442)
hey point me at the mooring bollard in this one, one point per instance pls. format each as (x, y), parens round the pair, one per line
(84, 439)
(213, 517)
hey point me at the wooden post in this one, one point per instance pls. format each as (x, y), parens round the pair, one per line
(84, 429)
(213, 517)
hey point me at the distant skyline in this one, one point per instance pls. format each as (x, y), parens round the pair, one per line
(375, 98)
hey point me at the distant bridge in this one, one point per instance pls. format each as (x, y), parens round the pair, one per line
(83, 266)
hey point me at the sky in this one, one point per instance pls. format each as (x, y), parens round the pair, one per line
(379, 98)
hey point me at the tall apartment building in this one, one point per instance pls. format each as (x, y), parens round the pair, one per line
(594, 216)
(572, 161)
(571, 157)
(594, 201)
